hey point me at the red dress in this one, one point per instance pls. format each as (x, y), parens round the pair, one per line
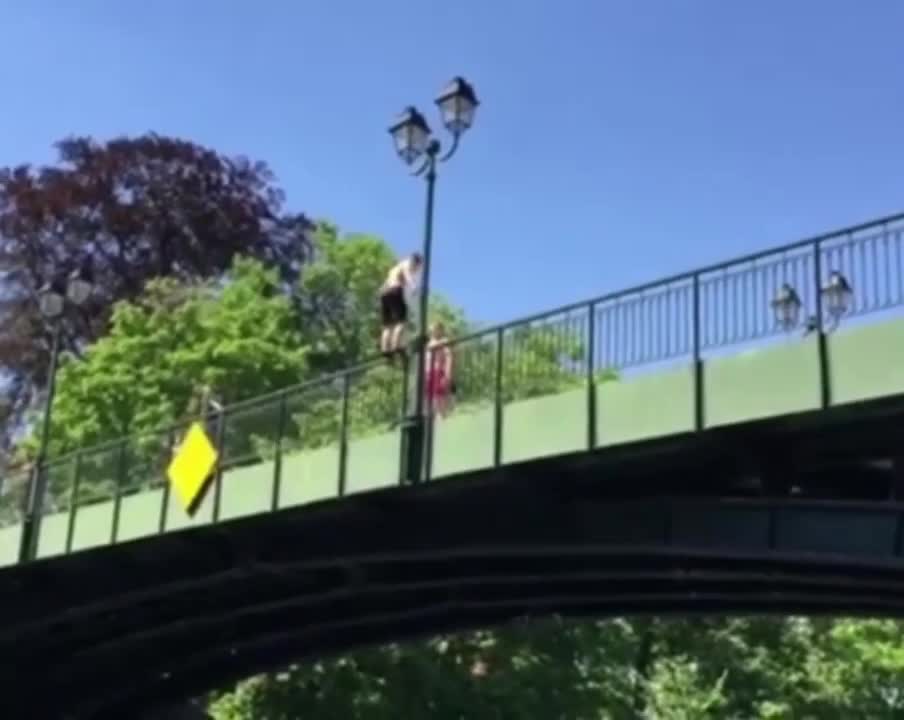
(437, 381)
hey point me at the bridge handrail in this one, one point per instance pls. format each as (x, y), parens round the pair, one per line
(363, 366)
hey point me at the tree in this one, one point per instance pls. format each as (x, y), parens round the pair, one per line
(771, 668)
(239, 339)
(551, 669)
(243, 335)
(337, 298)
(139, 208)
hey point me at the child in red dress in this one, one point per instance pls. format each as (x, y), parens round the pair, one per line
(439, 371)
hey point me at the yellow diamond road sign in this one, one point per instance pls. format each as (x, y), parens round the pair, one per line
(191, 467)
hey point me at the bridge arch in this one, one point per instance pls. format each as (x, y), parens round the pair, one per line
(681, 525)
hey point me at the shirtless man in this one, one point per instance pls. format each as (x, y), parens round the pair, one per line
(402, 279)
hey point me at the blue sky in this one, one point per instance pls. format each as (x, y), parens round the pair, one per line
(618, 140)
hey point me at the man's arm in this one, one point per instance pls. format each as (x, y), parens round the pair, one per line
(412, 279)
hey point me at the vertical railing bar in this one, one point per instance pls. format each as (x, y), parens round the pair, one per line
(765, 291)
(756, 301)
(899, 267)
(674, 321)
(637, 324)
(735, 314)
(45, 506)
(641, 326)
(822, 340)
(776, 283)
(664, 347)
(623, 337)
(806, 284)
(403, 448)
(427, 470)
(864, 304)
(497, 424)
(164, 500)
(73, 503)
(699, 419)
(743, 302)
(687, 322)
(723, 278)
(218, 471)
(665, 325)
(873, 243)
(653, 351)
(628, 330)
(591, 384)
(887, 265)
(683, 314)
(282, 422)
(609, 324)
(668, 326)
(343, 433)
(121, 468)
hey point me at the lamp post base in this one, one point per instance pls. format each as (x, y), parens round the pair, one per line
(412, 454)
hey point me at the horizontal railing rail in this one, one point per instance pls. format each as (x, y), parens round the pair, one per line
(682, 317)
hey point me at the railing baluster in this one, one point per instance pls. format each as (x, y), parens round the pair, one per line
(73, 503)
(343, 433)
(218, 471)
(121, 469)
(821, 340)
(591, 370)
(887, 265)
(699, 419)
(165, 497)
(281, 423)
(404, 450)
(899, 267)
(497, 389)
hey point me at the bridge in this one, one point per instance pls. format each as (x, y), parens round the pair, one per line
(725, 440)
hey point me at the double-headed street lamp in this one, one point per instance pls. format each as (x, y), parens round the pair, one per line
(53, 297)
(414, 143)
(837, 298)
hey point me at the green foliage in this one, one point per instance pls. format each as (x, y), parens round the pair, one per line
(245, 335)
(337, 298)
(140, 208)
(740, 669)
(238, 338)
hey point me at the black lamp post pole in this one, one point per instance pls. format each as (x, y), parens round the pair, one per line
(415, 428)
(411, 136)
(38, 484)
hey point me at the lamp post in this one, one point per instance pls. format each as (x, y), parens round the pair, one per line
(786, 305)
(53, 298)
(837, 296)
(414, 143)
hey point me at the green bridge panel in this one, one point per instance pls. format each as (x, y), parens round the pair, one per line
(762, 383)
(647, 406)
(865, 362)
(463, 441)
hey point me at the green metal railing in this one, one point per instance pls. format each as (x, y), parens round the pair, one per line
(683, 318)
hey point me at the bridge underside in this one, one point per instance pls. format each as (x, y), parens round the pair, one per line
(790, 515)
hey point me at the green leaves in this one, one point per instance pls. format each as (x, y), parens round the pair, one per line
(738, 668)
(239, 338)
